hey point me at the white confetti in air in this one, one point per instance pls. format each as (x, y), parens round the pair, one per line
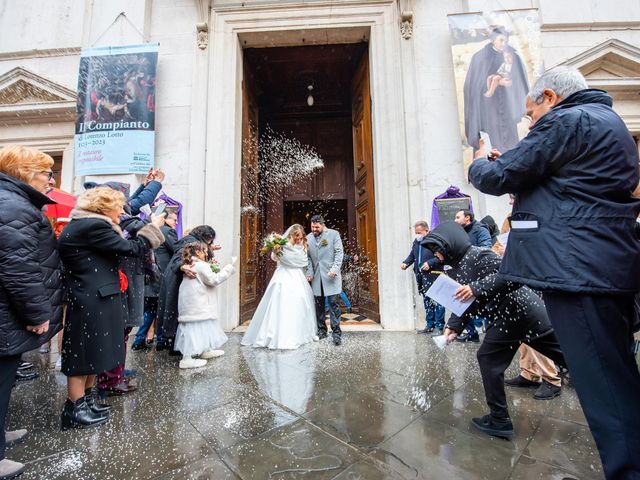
(282, 161)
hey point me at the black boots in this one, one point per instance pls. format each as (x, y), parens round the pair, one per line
(85, 412)
(78, 414)
(547, 391)
(99, 408)
(497, 427)
(521, 382)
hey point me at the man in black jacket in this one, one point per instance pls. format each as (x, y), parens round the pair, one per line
(159, 260)
(478, 232)
(165, 251)
(514, 313)
(426, 268)
(573, 178)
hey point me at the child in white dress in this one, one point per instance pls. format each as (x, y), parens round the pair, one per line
(199, 332)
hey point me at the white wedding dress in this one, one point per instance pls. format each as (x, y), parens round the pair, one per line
(286, 316)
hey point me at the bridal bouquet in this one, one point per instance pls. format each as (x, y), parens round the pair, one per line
(273, 242)
(214, 265)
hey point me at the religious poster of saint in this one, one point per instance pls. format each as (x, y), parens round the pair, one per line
(497, 56)
(115, 113)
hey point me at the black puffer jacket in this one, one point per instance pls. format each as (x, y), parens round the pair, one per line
(31, 279)
(165, 251)
(169, 288)
(514, 312)
(573, 176)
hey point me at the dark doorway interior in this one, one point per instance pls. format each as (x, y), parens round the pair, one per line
(277, 84)
(335, 213)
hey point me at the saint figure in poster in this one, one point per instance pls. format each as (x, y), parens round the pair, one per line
(495, 90)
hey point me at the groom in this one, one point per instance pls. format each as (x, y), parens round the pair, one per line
(323, 271)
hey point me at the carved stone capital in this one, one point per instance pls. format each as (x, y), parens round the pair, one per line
(203, 35)
(406, 27)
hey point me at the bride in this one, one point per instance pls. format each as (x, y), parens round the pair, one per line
(286, 316)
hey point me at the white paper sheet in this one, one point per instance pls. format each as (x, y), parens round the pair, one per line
(440, 341)
(503, 238)
(442, 291)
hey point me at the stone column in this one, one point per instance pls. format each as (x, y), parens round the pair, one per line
(198, 175)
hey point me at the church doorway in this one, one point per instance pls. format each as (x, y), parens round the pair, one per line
(319, 97)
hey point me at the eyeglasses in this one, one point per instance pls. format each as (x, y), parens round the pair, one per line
(48, 173)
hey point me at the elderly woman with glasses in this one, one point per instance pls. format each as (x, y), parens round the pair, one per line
(91, 246)
(31, 281)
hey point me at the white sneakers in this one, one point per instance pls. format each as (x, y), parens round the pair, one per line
(10, 469)
(190, 362)
(212, 354)
(13, 437)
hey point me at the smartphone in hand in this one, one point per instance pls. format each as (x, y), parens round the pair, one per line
(160, 210)
(484, 136)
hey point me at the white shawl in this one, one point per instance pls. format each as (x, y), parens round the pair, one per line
(293, 256)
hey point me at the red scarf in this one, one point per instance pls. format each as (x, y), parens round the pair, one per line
(124, 281)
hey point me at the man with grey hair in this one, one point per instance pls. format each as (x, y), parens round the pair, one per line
(573, 236)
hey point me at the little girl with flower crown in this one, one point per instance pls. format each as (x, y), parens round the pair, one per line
(199, 332)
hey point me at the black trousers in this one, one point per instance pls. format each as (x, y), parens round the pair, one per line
(334, 314)
(8, 368)
(494, 358)
(595, 335)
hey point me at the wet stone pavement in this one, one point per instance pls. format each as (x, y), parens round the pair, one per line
(383, 405)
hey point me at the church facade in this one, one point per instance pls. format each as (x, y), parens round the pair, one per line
(368, 83)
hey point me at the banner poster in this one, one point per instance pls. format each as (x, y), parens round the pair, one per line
(497, 56)
(115, 114)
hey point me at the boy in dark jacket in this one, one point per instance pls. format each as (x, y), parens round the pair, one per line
(426, 268)
(515, 315)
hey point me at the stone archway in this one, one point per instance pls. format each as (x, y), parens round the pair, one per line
(233, 28)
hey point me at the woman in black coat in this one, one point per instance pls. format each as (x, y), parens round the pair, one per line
(515, 315)
(31, 282)
(91, 246)
(113, 382)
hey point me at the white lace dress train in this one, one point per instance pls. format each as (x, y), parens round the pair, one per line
(286, 315)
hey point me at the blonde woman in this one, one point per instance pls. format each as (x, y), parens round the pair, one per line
(286, 315)
(31, 285)
(90, 247)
